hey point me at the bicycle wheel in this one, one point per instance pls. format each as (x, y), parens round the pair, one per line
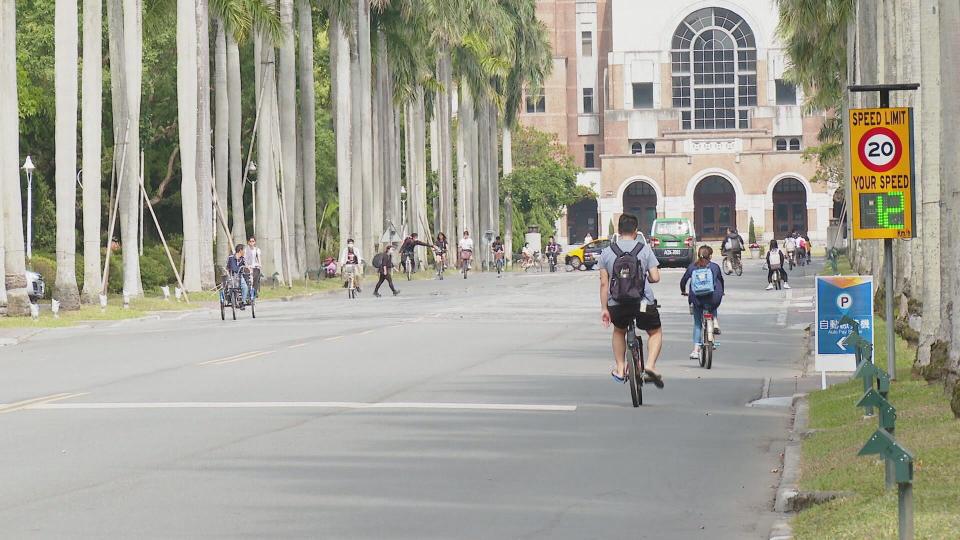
(233, 305)
(703, 344)
(727, 266)
(253, 309)
(223, 308)
(738, 268)
(629, 371)
(708, 345)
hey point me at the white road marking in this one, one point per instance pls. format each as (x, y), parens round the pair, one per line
(516, 407)
(28, 403)
(782, 316)
(298, 345)
(334, 338)
(236, 358)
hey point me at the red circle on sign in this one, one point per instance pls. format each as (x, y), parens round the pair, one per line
(897, 149)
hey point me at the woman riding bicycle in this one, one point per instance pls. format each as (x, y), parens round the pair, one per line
(498, 253)
(775, 263)
(701, 302)
(440, 249)
(350, 265)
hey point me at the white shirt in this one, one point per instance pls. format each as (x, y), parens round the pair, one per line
(587, 239)
(252, 256)
(466, 244)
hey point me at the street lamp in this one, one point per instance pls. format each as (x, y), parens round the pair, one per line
(28, 167)
(252, 170)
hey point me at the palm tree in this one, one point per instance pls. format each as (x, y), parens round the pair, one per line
(14, 292)
(92, 116)
(204, 158)
(187, 88)
(234, 92)
(365, 98)
(308, 115)
(338, 29)
(65, 75)
(287, 94)
(221, 133)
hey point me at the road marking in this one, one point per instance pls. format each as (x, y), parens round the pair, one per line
(298, 345)
(334, 338)
(28, 403)
(510, 407)
(236, 358)
(782, 316)
(365, 332)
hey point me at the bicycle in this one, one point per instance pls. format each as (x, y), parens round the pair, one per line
(633, 369)
(791, 259)
(407, 262)
(465, 258)
(498, 263)
(732, 263)
(351, 274)
(552, 261)
(438, 261)
(708, 345)
(777, 279)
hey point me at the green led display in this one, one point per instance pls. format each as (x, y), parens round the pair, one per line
(883, 210)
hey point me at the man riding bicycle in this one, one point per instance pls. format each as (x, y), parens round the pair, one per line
(617, 308)
(498, 252)
(790, 245)
(236, 266)
(350, 263)
(406, 251)
(553, 251)
(733, 244)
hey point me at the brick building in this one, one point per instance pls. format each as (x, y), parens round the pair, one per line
(680, 109)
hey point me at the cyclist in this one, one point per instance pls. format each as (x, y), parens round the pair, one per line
(385, 269)
(406, 250)
(801, 249)
(235, 267)
(775, 263)
(527, 256)
(732, 245)
(251, 254)
(621, 312)
(465, 248)
(698, 302)
(553, 252)
(440, 249)
(350, 263)
(790, 246)
(498, 251)
(806, 237)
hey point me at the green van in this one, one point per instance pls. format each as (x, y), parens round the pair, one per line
(674, 241)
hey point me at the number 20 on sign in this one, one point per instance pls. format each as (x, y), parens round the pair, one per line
(882, 173)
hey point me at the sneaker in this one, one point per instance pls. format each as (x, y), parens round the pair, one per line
(770, 287)
(695, 354)
(786, 285)
(716, 330)
(395, 293)
(376, 294)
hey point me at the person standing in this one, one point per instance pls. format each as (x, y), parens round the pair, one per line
(252, 256)
(385, 270)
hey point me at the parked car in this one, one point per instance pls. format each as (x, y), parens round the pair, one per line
(674, 241)
(35, 286)
(586, 255)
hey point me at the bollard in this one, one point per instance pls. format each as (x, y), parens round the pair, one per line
(901, 459)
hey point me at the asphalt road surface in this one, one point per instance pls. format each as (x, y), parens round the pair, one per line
(460, 409)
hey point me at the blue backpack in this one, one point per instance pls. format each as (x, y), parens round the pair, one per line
(701, 282)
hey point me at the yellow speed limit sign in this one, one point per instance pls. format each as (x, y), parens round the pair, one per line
(882, 173)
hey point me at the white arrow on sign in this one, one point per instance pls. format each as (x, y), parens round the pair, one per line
(843, 343)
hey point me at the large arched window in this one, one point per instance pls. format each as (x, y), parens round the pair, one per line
(714, 58)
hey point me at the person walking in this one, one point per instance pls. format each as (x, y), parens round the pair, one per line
(385, 270)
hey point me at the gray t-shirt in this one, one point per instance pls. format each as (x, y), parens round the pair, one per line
(647, 260)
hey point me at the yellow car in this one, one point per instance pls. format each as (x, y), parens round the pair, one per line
(585, 257)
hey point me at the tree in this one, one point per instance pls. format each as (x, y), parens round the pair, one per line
(13, 292)
(221, 135)
(65, 287)
(287, 94)
(308, 114)
(92, 118)
(186, 110)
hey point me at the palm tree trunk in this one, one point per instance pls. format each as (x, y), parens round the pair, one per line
(507, 200)
(65, 76)
(129, 191)
(287, 92)
(492, 155)
(483, 176)
(382, 130)
(366, 120)
(396, 168)
(340, 91)
(92, 118)
(390, 148)
(422, 223)
(222, 136)
(356, 139)
(13, 264)
(268, 222)
(299, 221)
(308, 152)
(445, 150)
(239, 226)
(187, 88)
(204, 157)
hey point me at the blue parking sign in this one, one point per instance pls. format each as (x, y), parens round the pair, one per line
(839, 297)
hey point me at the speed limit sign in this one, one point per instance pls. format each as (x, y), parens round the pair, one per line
(882, 174)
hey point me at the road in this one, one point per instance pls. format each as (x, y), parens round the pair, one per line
(460, 409)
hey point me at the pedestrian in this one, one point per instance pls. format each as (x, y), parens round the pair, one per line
(385, 269)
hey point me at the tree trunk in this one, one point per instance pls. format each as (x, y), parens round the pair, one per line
(92, 118)
(483, 178)
(356, 140)
(204, 158)
(507, 200)
(267, 224)
(308, 153)
(419, 202)
(187, 88)
(445, 149)
(366, 121)
(493, 156)
(382, 132)
(287, 93)
(221, 160)
(129, 192)
(65, 76)
(390, 149)
(239, 226)
(340, 92)
(15, 281)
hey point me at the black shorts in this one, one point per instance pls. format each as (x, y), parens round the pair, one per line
(648, 320)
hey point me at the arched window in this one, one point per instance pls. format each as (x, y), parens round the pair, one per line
(795, 144)
(650, 148)
(636, 148)
(714, 63)
(781, 145)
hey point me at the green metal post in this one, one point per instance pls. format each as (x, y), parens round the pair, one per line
(905, 510)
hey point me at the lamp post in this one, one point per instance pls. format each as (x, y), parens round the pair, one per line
(28, 167)
(252, 170)
(403, 211)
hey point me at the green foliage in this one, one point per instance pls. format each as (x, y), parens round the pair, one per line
(543, 182)
(752, 235)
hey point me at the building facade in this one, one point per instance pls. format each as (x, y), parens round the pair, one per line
(680, 109)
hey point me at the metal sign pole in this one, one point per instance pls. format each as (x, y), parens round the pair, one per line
(888, 282)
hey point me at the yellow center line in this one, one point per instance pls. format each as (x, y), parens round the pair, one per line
(27, 403)
(234, 357)
(247, 357)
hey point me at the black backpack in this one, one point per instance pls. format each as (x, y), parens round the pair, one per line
(378, 261)
(628, 280)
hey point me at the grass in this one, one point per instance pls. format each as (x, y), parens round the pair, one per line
(925, 426)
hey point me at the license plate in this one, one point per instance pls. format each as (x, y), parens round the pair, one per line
(671, 252)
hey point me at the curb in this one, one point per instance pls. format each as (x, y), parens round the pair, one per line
(789, 489)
